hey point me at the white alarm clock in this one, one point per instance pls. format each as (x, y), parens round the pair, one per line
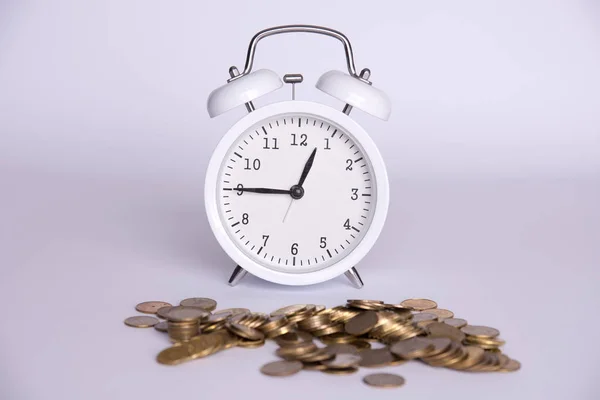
(296, 192)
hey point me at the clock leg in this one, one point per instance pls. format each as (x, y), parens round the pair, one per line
(354, 277)
(237, 275)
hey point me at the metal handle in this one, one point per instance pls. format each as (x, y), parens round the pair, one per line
(276, 30)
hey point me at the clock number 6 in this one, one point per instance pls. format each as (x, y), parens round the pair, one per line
(294, 249)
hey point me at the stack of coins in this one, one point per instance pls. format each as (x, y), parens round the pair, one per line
(183, 322)
(482, 336)
(414, 329)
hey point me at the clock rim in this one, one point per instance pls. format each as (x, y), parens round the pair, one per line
(379, 172)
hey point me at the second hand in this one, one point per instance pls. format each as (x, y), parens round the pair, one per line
(288, 210)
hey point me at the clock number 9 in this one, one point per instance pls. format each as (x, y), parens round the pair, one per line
(239, 187)
(294, 249)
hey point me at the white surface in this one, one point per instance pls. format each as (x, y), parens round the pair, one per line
(492, 152)
(358, 94)
(377, 174)
(242, 90)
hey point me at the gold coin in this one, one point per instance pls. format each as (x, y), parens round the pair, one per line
(234, 311)
(339, 348)
(151, 307)
(440, 329)
(185, 313)
(337, 337)
(317, 356)
(293, 338)
(366, 304)
(440, 345)
(163, 311)
(329, 331)
(340, 371)
(245, 331)
(276, 333)
(274, 323)
(424, 316)
(485, 343)
(397, 308)
(200, 302)
(480, 331)
(295, 350)
(419, 304)
(384, 380)
(343, 361)
(313, 366)
(281, 368)
(161, 326)
(441, 313)
(424, 324)
(319, 308)
(474, 356)
(251, 344)
(141, 321)
(376, 358)
(397, 361)
(412, 348)
(289, 310)
(511, 366)
(362, 323)
(360, 344)
(205, 345)
(175, 355)
(359, 301)
(218, 317)
(455, 322)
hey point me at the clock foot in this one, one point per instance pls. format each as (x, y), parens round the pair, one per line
(237, 275)
(354, 277)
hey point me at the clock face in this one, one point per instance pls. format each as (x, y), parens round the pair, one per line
(296, 193)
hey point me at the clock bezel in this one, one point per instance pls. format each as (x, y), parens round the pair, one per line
(379, 174)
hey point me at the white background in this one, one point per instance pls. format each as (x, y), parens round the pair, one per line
(493, 150)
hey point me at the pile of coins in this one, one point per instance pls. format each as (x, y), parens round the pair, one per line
(414, 329)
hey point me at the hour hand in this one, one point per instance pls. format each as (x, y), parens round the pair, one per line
(261, 190)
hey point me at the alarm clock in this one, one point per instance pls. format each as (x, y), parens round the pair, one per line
(296, 192)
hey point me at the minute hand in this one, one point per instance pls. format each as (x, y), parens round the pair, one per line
(263, 190)
(307, 167)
